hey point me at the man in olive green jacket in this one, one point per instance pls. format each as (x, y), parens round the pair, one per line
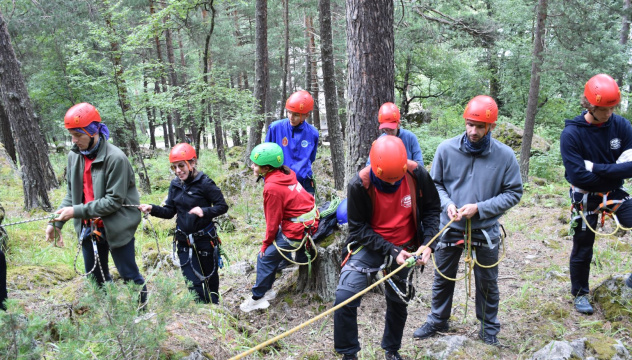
(100, 180)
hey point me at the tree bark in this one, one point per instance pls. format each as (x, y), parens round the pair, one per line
(37, 173)
(331, 98)
(623, 40)
(168, 134)
(286, 56)
(370, 52)
(534, 91)
(173, 79)
(6, 137)
(150, 118)
(261, 73)
(325, 269)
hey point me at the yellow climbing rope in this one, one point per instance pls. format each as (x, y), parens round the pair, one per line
(322, 315)
(616, 220)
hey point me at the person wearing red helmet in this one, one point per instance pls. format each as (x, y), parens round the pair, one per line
(596, 148)
(478, 179)
(100, 181)
(392, 209)
(389, 119)
(297, 138)
(196, 200)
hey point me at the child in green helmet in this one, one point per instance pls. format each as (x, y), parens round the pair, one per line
(284, 200)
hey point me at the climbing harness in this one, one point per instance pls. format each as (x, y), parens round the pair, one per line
(469, 246)
(308, 219)
(606, 208)
(409, 262)
(90, 230)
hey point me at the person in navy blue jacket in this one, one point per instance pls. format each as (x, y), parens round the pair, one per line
(297, 138)
(389, 118)
(195, 198)
(596, 149)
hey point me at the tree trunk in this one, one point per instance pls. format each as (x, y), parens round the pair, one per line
(150, 118)
(168, 135)
(314, 86)
(403, 90)
(6, 137)
(325, 268)
(331, 98)
(37, 173)
(623, 40)
(129, 138)
(534, 91)
(286, 56)
(261, 73)
(173, 79)
(371, 74)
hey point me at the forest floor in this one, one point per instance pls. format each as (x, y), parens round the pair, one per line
(536, 306)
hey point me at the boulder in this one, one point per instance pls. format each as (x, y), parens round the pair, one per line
(558, 350)
(511, 135)
(614, 298)
(447, 345)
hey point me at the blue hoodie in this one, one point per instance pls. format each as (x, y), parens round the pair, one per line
(299, 144)
(602, 145)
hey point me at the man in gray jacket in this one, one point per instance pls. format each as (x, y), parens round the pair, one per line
(478, 179)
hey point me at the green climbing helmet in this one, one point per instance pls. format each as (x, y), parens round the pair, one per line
(268, 153)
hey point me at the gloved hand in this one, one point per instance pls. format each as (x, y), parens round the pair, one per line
(589, 165)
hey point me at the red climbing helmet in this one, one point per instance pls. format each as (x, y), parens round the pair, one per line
(481, 108)
(300, 102)
(388, 116)
(602, 90)
(182, 152)
(81, 115)
(388, 158)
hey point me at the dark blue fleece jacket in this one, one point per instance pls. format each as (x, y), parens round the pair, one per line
(602, 145)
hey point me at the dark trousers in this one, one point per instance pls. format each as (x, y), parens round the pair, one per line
(346, 318)
(308, 185)
(3, 280)
(583, 241)
(205, 262)
(124, 260)
(267, 265)
(487, 293)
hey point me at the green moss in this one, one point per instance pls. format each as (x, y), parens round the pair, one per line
(614, 302)
(288, 300)
(601, 347)
(554, 311)
(27, 277)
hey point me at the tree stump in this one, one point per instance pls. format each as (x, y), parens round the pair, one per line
(325, 269)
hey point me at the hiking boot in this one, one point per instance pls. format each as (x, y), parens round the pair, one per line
(488, 339)
(583, 305)
(427, 330)
(628, 282)
(393, 355)
(270, 295)
(250, 304)
(349, 357)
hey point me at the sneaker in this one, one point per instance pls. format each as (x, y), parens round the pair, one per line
(270, 295)
(488, 339)
(393, 355)
(349, 357)
(583, 305)
(427, 330)
(250, 304)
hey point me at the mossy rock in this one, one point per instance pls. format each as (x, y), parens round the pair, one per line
(68, 292)
(235, 152)
(511, 135)
(29, 277)
(615, 298)
(602, 347)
